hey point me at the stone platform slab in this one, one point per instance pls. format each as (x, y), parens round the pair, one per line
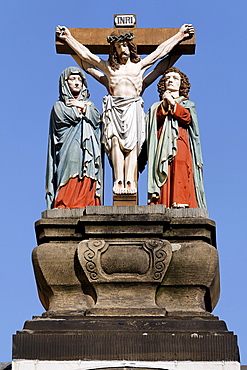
(132, 339)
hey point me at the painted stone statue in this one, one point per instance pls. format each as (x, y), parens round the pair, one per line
(123, 116)
(74, 177)
(175, 163)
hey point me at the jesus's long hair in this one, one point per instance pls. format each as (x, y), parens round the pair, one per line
(113, 56)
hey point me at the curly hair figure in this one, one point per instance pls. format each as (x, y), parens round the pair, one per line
(175, 176)
(184, 83)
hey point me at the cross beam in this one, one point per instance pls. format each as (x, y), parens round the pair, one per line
(146, 39)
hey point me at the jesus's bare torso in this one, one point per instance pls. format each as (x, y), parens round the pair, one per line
(125, 81)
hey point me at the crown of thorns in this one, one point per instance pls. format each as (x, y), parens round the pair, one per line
(126, 36)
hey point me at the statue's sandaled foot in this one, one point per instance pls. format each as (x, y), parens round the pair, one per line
(118, 187)
(131, 187)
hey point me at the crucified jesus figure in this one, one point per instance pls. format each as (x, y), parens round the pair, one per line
(123, 115)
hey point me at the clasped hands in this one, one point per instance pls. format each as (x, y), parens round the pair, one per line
(168, 100)
(80, 105)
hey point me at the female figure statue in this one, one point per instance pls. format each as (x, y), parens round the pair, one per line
(74, 165)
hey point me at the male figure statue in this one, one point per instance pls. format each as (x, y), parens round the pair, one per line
(123, 116)
(175, 174)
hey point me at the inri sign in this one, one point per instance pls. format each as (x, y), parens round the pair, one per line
(125, 20)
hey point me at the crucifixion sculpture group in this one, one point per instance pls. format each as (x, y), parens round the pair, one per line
(124, 127)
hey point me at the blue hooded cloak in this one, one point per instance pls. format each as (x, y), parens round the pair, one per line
(74, 144)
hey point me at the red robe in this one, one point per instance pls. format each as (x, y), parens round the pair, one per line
(179, 188)
(77, 194)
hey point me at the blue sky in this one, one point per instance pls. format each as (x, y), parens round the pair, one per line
(29, 87)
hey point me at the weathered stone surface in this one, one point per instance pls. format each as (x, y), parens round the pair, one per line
(125, 274)
(62, 285)
(153, 221)
(113, 210)
(63, 213)
(192, 275)
(130, 339)
(146, 210)
(191, 283)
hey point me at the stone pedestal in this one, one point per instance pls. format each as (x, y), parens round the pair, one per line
(126, 287)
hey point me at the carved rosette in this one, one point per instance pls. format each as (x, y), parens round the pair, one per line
(125, 261)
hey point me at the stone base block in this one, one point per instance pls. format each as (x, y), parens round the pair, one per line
(130, 261)
(126, 287)
(130, 339)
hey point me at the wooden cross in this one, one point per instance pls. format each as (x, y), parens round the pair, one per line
(146, 39)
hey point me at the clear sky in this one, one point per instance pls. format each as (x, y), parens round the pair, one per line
(30, 71)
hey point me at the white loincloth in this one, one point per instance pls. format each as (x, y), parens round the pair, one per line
(123, 117)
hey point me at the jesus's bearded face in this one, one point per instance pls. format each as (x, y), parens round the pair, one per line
(123, 52)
